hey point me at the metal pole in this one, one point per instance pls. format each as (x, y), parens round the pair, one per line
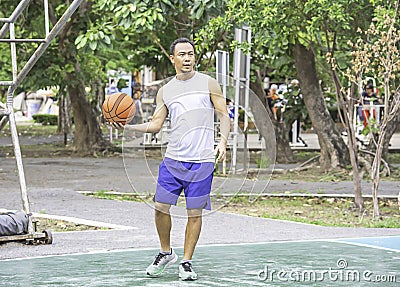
(246, 103)
(40, 50)
(6, 83)
(3, 122)
(18, 158)
(14, 16)
(236, 103)
(13, 53)
(46, 17)
(22, 40)
(222, 69)
(225, 67)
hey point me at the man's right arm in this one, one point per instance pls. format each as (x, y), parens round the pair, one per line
(157, 120)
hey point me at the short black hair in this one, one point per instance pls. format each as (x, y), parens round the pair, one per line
(369, 86)
(177, 41)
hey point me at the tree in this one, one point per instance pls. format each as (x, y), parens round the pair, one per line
(291, 29)
(373, 54)
(378, 55)
(88, 135)
(148, 27)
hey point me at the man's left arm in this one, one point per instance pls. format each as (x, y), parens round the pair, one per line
(219, 103)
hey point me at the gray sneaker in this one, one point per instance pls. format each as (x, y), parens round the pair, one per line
(186, 272)
(162, 261)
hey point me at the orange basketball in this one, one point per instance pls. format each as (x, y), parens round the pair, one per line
(119, 108)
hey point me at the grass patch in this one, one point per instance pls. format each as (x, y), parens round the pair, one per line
(38, 150)
(315, 174)
(394, 158)
(312, 210)
(319, 211)
(31, 129)
(107, 194)
(62, 226)
(302, 156)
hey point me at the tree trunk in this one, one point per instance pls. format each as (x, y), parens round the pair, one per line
(346, 114)
(87, 135)
(391, 129)
(99, 87)
(64, 116)
(284, 153)
(334, 152)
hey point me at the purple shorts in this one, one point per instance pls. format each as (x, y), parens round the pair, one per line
(194, 178)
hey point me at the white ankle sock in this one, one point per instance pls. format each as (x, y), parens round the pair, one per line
(166, 252)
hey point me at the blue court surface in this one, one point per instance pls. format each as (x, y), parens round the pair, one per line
(345, 262)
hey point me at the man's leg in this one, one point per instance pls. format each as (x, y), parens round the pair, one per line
(163, 224)
(166, 256)
(193, 228)
(197, 193)
(366, 117)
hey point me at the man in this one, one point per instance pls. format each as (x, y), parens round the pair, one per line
(190, 99)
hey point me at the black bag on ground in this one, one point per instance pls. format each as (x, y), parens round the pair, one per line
(13, 223)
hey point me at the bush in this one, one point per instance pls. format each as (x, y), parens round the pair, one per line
(45, 119)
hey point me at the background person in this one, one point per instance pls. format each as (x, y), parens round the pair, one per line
(369, 98)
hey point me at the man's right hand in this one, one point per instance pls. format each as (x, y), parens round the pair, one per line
(115, 125)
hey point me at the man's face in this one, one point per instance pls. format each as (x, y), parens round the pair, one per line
(183, 58)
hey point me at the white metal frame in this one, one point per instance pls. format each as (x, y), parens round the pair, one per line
(7, 111)
(240, 81)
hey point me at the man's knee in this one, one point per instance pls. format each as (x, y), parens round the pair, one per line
(162, 208)
(194, 214)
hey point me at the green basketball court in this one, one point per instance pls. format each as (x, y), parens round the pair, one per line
(346, 262)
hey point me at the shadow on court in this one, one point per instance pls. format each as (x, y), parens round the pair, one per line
(345, 262)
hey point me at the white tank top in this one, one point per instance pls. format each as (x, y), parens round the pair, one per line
(191, 113)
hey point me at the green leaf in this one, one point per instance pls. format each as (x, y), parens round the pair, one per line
(79, 39)
(93, 45)
(133, 8)
(82, 43)
(200, 12)
(69, 68)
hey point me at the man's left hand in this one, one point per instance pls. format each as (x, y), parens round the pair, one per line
(220, 151)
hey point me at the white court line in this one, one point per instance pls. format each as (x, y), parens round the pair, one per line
(296, 241)
(370, 237)
(368, 245)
